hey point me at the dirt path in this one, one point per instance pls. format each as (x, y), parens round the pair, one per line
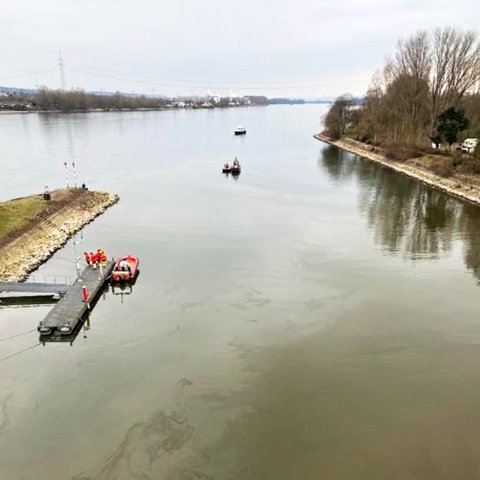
(26, 249)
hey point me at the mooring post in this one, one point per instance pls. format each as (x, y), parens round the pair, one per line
(84, 293)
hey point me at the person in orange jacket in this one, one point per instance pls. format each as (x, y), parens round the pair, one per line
(102, 258)
(88, 258)
(94, 259)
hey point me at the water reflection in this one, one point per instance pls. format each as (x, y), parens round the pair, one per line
(335, 163)
(406, 216)
(124, 288)
(469, 223)
(234, 175)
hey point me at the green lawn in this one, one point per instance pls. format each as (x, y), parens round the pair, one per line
(15, 214)
(19, 213)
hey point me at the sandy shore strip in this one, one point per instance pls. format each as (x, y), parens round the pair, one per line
(452, 186)
(28, 251)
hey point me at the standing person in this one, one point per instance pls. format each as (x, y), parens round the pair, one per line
(102, 258)
(88, 258)
(94, 259)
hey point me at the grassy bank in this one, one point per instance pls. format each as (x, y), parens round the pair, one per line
(19, 214)
(32, 228)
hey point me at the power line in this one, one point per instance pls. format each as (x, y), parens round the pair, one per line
(27, 74)
(19, 352)
(222, 84)
(199, 84)
(17, 335)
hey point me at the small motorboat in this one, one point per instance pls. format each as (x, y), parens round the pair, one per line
(240, 130)
(233, 168)
(125, 269)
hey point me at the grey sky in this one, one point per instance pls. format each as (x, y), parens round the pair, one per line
(265, 47)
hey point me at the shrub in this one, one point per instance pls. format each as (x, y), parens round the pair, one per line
(469, 165)
(400, 152)
(443, 167)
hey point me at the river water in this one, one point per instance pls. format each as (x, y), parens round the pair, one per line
(316, 317)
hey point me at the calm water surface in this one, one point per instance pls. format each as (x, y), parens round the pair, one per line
(315, 318)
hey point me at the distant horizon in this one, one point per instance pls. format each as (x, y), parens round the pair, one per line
(32, 90)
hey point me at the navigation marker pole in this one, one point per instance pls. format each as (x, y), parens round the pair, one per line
(77, 258)
(66, 173)
(74, 175)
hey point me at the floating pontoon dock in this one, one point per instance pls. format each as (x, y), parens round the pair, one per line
(34, 287)
(71, 308)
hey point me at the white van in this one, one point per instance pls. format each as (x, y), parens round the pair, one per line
(469, 145)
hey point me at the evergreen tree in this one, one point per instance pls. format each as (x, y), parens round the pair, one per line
(450, 123)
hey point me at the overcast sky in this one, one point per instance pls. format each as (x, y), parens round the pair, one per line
(301, 48)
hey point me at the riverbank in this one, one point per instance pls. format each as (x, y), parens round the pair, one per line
(34, 240)
(415, 168)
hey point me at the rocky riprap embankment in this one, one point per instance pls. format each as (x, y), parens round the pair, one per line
(412, 168)
(28, 249)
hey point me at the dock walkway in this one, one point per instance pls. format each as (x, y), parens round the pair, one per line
(34, 287)
(71, 309)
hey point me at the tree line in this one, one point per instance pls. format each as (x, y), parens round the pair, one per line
(46, 99)
(427, 92)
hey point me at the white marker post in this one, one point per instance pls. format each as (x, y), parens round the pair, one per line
(74, 175)
(66, 173)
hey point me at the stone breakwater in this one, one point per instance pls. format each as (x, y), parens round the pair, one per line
(25, 253)
(413, 168)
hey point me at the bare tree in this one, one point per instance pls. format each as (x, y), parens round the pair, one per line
(456, 68)
(427, 74)
(406, 78)
(413, 57)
